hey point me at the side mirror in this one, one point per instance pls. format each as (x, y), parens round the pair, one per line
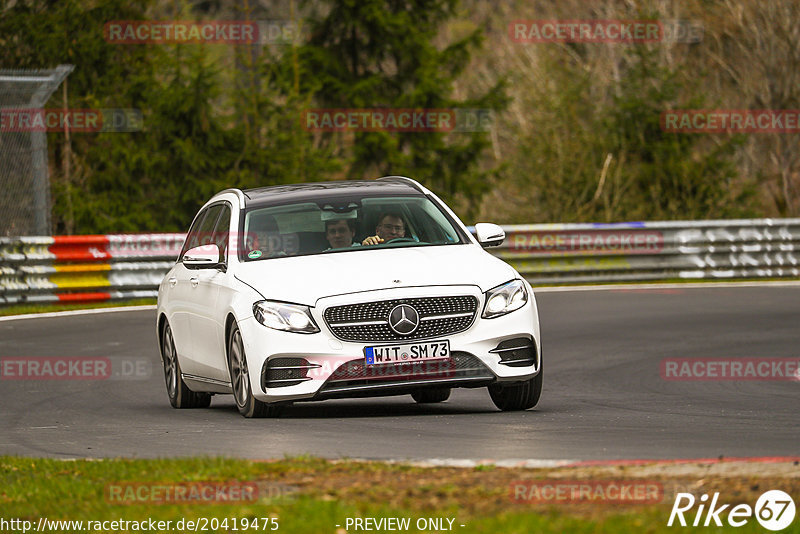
(203, 257)
(489, 235)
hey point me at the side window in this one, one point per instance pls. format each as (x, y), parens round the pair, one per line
(192, 235)
(201, 232)
(222, 231)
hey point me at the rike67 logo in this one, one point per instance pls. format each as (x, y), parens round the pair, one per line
(774, 510)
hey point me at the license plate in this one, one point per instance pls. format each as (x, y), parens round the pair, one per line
(413, 352)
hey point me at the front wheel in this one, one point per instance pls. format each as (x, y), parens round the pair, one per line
(180, 396)
(519, 396)
(248, 405)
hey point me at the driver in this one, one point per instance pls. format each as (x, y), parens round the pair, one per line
(390, 226)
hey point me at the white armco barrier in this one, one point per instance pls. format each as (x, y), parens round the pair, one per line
(107, 267)
(581, 253)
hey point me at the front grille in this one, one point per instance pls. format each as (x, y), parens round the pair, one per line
(439, 316)
(462, 366)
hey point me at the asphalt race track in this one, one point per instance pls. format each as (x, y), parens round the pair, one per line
(603, 398)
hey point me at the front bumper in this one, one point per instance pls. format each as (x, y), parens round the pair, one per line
(334, 369)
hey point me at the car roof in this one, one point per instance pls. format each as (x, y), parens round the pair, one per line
(312, 191)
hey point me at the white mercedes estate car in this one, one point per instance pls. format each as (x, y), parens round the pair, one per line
(343, 289)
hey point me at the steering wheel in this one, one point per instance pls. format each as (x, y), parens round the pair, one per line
(401, 240)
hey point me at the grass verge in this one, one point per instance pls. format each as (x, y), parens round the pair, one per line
(313, 495)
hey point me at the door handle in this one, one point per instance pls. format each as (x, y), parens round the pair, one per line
(194, 280)
(173, 282)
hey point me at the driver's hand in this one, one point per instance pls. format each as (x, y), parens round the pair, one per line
(372, 240)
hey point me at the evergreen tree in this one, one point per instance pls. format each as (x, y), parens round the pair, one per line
(381, 54)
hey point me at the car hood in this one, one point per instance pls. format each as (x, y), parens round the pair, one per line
(305, 279)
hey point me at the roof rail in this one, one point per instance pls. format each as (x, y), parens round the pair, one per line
(413, 183)
(237, 192)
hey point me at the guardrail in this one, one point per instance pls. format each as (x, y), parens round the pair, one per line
(107, 267)
(91, 268)
(588, 253)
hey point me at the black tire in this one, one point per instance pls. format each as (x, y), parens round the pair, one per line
(180, 396)
(518, 396)
(431, 395)
(248, 405)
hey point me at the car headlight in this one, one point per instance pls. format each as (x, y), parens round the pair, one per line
(282, 316)
(505, 299)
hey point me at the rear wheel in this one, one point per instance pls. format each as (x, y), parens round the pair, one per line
(180, 396)
(431, 395)
(519, 396)
(248, 405)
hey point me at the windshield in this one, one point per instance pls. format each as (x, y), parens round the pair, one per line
(345, 224)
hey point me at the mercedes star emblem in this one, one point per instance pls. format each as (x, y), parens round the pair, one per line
(403, 319)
